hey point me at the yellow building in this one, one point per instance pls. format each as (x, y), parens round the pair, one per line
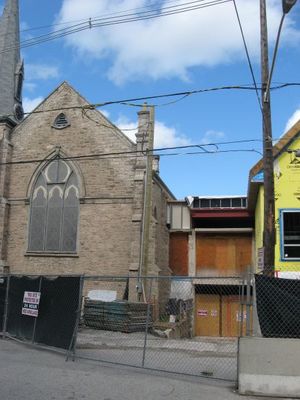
(287, 204)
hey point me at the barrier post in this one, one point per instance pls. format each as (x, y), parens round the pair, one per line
(74, 335)
(4, 328)
(35, 319)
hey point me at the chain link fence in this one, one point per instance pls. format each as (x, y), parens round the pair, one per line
(277, 305)
(185, 325)
(174, 324)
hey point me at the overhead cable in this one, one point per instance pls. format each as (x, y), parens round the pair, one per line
(125, 18)
(131, 101)
(248, 55)
(135, 153)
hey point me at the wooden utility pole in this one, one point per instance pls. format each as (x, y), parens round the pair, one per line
(148, 193)
(269, 202)
(147, 208)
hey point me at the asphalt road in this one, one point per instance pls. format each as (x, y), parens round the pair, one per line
(214, 357)
(224, 368)
(27, 373)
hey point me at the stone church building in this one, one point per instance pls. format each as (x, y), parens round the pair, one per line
(77, 196)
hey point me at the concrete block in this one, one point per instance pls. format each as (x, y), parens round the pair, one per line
(269, 367)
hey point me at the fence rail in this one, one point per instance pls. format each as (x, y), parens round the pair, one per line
(187, 325)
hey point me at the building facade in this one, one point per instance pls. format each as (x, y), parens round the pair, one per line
(211, 241)
(73, 187)
(287, 205)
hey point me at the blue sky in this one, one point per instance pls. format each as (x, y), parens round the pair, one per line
(193, 50)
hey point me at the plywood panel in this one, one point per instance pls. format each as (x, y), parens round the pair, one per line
(233, 317)
(205, 254)
(207, 315)
(223, 254)
(178, 253)
(243, 253)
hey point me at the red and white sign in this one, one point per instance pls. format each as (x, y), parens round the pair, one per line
(31, 301)
(202, 313)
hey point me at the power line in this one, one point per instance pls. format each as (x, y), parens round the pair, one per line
(125, 18)
(143, 153)
(101, 22)
(156, 152)
(130, 101)
(85, 20)
(247, 55)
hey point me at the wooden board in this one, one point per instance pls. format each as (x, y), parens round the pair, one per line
(223, 255)
(233, 317)
(217, 315)
(178, 253)
(207, 315)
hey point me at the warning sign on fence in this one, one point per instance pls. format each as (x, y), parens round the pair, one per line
(31, 301)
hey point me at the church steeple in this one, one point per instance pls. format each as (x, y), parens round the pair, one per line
(11, 66)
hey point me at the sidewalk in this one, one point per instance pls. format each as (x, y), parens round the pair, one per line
(30, 374)
(97, 339)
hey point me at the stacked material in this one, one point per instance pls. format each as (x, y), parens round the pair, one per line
(121, 316)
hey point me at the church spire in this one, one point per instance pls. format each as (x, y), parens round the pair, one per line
(11, 66)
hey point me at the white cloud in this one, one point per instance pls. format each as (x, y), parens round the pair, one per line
(41, 72)
(129, 128)
(292, 120)
(212, 136)
(164, 136)
(31, 104)
(170, 46)
(30, 86)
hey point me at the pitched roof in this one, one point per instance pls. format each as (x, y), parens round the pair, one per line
(278, 148)
(81, 102)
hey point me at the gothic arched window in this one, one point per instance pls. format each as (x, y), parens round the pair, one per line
(54, 209)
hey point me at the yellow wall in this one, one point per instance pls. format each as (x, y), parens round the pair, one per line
(287, 196)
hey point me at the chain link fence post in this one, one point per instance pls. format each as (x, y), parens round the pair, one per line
(72, 347)
(6, 304)
(149, 315)
(248, 303)
(35, 319)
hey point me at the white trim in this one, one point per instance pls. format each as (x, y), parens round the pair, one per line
(68, 191)
(35, 193)
(56, 187)
(224, 229)
(220, 197)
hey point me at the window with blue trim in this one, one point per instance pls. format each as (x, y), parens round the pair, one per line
(290, 228)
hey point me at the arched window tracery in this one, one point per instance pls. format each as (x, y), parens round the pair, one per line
(54, 209)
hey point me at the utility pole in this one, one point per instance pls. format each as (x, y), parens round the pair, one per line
(269, 202)
(269, 235)
(148, 193)
(147, 208)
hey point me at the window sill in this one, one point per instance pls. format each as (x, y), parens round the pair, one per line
(44, 254)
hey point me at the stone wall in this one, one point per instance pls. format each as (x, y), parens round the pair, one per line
(111, 192)
(106, 189)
